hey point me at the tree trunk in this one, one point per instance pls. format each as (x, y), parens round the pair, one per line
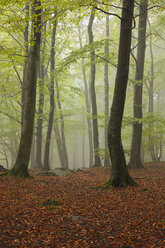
(59, 143)
(97, 161)
(63, 142)
(119, 174)
(83, 142)
(106, 95)
(135, 160)
(21, 165)
(51, 89)
(87, 107)
(32, 155)
(41, 105)
(151, 101)
(26, 40)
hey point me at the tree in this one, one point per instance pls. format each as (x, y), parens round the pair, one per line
(87, 103)
(97, 161)
(51, 89)
(21, 165)
(64, 153)
(41, 102)
(135, 160)
(119, 174)
(106, 92)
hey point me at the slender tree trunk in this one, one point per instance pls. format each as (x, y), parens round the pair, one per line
(97, 161)
(63, 142)
(151, 102)
(26, 40)
(135, 160)
(119, 174)
(51, 89)
(87, 107)
(83, 142)
(41, 105)
(21, 165)
(59, 143)
(106, 95)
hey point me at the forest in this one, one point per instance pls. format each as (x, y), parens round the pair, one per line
(82, 145)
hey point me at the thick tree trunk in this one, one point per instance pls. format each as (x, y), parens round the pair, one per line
(119, 174)
(51, 89)
(97, 161)
(87, 107)
(21, 165)
(106, 95)
(32, 154)
(41, 105)
(135, 160)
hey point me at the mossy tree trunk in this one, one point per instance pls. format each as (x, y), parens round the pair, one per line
(21, 165)
(135, 160)
(119, 174)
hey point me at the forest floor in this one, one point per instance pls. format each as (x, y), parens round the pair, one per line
(71, 212)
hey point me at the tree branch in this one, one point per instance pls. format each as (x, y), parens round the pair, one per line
(108, 12)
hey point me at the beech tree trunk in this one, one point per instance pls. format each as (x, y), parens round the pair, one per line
(40, 105)
(32, 154)
(106, 95)
(87, 107)
(135, 160)
(97, 161)
(51, 89)
(119, 174)
(21, 165)
(151, 101)
(64, 154)
(26, 40)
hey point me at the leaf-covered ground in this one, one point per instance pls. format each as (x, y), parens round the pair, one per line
(31, 216)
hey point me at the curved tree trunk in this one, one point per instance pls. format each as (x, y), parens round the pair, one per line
(51, 113)
(135, 160)
(120, 175)
(21, 165)
(106, 95)
(97, 161)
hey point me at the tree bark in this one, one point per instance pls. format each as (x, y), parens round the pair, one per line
(21, 165)
(51, 89)
(135, 160)
(32, 154)
(40, 105)
(106, 95)
(87, 107)
(62, 133)
(26, 40)
(97, 161)
(119, 174)
(151, 100)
